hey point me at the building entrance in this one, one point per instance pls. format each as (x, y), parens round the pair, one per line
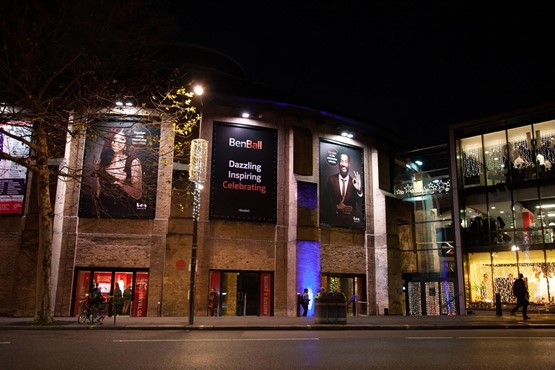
(431, 298)
(243, 293)
(354, 288)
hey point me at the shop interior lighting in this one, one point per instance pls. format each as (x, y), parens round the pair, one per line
(418, 162)
(347, 134)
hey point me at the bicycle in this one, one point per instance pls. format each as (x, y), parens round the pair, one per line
(93, 314)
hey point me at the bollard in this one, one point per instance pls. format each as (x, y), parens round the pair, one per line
(298, 305)
(386, 311)
(498, 308)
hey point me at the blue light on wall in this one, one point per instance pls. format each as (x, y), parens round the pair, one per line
(308, 270)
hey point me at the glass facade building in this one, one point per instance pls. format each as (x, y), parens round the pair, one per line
(504, 207)
(425, 229)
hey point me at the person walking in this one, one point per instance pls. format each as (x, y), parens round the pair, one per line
(520, 291)
(304, 301)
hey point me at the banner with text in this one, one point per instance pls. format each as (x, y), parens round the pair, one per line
(13, 177)
(244, 173)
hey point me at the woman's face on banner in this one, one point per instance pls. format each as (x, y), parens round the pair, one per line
(118, 142)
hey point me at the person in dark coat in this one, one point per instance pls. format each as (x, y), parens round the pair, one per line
(520, 291)
(213, 302)
(304, 301)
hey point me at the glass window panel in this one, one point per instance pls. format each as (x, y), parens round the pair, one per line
(432, 298)
(546, 213)
(428, 261)
(544, 134)
(414, 295)
(505, 271)
(532, 265)
(408, 262)
(496, 159)
(474, 220)
(524, 208)
(521, 153)
(479, 277)
(448, 296)
(550, 270)
(501, 214)
(472, 161)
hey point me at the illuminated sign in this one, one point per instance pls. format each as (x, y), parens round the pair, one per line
(244, 173)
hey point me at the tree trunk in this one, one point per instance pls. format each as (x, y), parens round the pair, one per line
(43, 311)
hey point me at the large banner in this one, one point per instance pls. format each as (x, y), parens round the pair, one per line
(341, 185)
(13, 177)
(120, 170)
(244, 173)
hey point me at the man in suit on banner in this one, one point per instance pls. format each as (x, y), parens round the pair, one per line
(344, 196)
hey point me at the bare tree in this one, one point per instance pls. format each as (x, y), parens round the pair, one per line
(64, 61)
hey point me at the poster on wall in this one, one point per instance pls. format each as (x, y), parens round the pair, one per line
(13, 177)
(120, 170)
(244, 173)
(341, 185)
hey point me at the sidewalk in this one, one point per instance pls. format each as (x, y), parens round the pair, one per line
(479, 320)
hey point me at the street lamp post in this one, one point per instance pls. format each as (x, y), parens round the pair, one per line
(197, 175)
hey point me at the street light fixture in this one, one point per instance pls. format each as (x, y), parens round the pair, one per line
(197, 175)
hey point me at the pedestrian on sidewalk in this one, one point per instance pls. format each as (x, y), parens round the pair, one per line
(213, 302)
(304, 301)
(520, 291)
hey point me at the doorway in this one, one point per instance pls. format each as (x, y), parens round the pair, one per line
(243, 293)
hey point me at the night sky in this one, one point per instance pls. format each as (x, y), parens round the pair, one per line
(416, 66)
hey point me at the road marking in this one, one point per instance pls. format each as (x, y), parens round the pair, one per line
(5, 342)
(214, 340)
(429, 337)
(495, 338)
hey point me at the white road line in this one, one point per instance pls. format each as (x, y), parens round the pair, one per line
(429, 337)
(495, 338)
(214, 340)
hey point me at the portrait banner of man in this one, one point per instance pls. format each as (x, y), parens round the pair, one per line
(341, 185)
(120, 170)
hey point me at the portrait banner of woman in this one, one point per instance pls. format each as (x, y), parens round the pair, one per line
(120, 171)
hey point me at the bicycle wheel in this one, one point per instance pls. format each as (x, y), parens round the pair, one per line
(82, 317)
(95, 315)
